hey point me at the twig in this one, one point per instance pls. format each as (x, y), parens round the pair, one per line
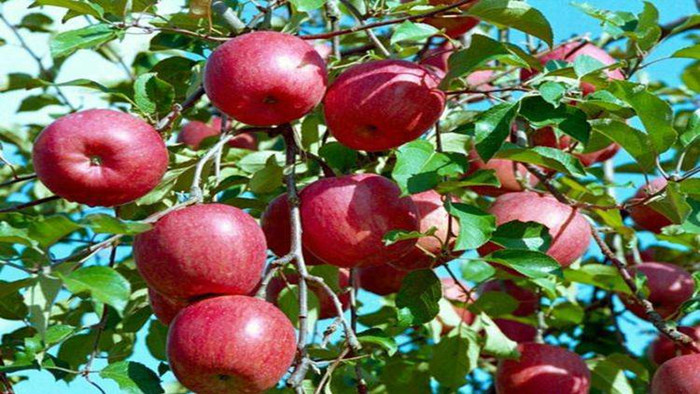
(354, 281)
(20, 207)
(330, 369)
(17, 179)
(178, 109)
(196, 190)
(370, 34)
(6, 382)
(333, 15)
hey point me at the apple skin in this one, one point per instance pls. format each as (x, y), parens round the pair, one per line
(327, 307)
(669, 287)
(516, 331)
(345, 219)
(432, 213)
(194, 132)
(230, 344)
(131, 154)
(265, 78)
(664, 349)
(528, 301)
(503, 169)
(201, 250)
(644, 215)
(165, 308)
(381, 279)
(678, 376)
(543, 369)
(546, 137)
(454, 293)
(277, 228)
(382, 104)
(454, 26)
(570, 231)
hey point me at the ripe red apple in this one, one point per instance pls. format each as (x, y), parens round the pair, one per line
(664, 349)
(543, 369)
(202, 249)
(382, 104)
(345, 219)
(516, 331)
(546, 137)
(230, 344)
(505, 172)
(265, 78)
(569, 52)
(528, 301)
(324, 50)
(381, 279)
(165, 308)
(451, 21)
(100, 157)
(194, 132)
(431, 213)
(277, 228)
(327, 307)
(678, 376)
(570, 231)
(669, 287)
(644, 215)
(455, 294)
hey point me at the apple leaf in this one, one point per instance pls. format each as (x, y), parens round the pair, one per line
(338, 156)
(477, 271)
(65, 43)
(565, 314)
(153, 95)
(477, 178)
(688, 52)
(377, 336)
(75, 7)
(516, 14)
(418, 297)
(13, 235)
(307, 5)
(33, 103)
(454, 357)
(409, 31)
(552, 92)
(566, 118)
(496, 343)
(102, 223)
(673, 205)
(395, 236)
(156, 339)
(51, 229)
(543, 156)
(12, 306)
(495, 303)
(692, 129)
(522, 235)
(104, 283)
(475, 226)
(288, 302)
(692, 222)
(419, 167)
(530, 263)
(268, 178)
(133, 377)
(603, 276)
(492, 127)
(608, 377)
(632, 140)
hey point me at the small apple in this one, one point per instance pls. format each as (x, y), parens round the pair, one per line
(165, 308)
(201, 250)
(571, 233)
(265, 78)
(664, 349)
(230, 344)
(543, 369)
(546, 137)
(678, 376)
(669, 287)
(327, 307)
(381, 279)
(100, 157)
(516, 331)
(452, 21)
(528, 301)
(382, 104)
(644, 215)
(195, 131)
(345, 219)
(505, 171)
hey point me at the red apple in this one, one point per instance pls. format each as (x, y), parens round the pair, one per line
(664, 349)
(678, 376)
(194, 132)
(324, 50)
(327, 307)
(381, 279)
(546, 137)
(382, 104)
(505, 172)
(345, 219)
(265, 78)
(100, 157)
(432, 213)
(543, 369)
(455, 294)
(528, 301)
(230, 344)
(202, 249)
(165, 308)
(669, 287)
(452, 21)
(516, 331)
(277, 228)
(571, 233)
(644, 215)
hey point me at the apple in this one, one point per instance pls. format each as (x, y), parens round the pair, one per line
(345, 219)
(230, 344)
(324, 50)
(504, 170)
(543, 369)
(452, 21)
(431, 213)
(453, 293)
(382, 104)
(277, 228)
(546, 137)
(100, 157)
(381, 279)
(195, 131)
(516, 331)
(265, 78)
(165, 308)
(327, 307)
(678, 376)
(664, 349)
(644, 215)
(438, 60)
(528, 301)
(669, 287)
(570, 232)
(201, 250)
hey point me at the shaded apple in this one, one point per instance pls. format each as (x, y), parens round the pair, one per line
(678, 376)
(454, 293)
(165, 308)
(543, 369)
(644, 215)
(230, 344)
(265, 78)
(200, 250)
(452, 21)
(516, 331)
(100, 157)
(664, 349)
(324, 50)
(327, 307)
(547, 137)
(195, 131)
(381, 279)
(504, 170)
(528, 301)
(669, 287)
(569, 230)
(382, 104)
(345, 219)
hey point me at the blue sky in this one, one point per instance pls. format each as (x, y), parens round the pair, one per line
(565, 20)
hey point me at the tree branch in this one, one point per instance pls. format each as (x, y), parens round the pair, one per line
(178, 109)
(30, 204)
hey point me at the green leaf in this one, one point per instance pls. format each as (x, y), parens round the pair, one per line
(565, 314)
(409, 31)
(152, 94)
(552, 92)
(497, 343)
(492, 127)
(692, 222)
(495, 303)
(376, 336)
(673, 204)
(688, 53)
(12, 306)
(104, 283)
(477, 271)
(566, 118)
(516, 14)
(49, 230)
(338, 156)
(608, 377)
(543, 156)
(57, 333)
(268, 179)
(395, 236)
(603, 276)
(34, 103)
(634, 141)
(288, 302)
(530, 263)
(519, 235)
(133, 378)
(419, 167)
(692, 129)
(584, 65)
(475, 226)
(77, 7)
(307, 5)
(418, 297)
(36, 22)
(64, 44)
(453, 358)
(102, 223)
(12, 235)
(156, 339)
(691, 22)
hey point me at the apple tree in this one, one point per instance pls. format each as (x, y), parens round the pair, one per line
(335, 196)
